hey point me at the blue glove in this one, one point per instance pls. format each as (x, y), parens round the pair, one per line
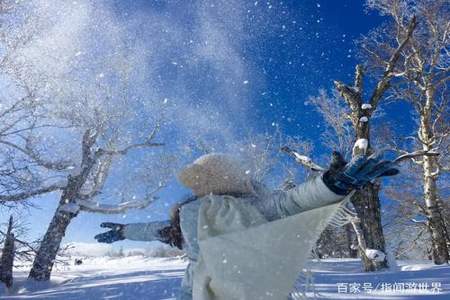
(115, 234)
(343, 177)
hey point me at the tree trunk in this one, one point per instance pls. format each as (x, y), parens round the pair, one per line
(366, 201)
(435, 224)
(66, 211)
(48, 249)
(46, 255)
(367, 206)
(7, 259)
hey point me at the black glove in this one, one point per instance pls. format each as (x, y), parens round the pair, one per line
(343, 177)
(115, 234)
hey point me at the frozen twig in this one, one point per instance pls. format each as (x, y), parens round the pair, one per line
(303, 159)
(28, 194)
(96, 207)
(415, 154)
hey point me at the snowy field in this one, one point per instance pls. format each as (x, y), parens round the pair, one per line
(108, 278)
(342, 279)
(138, 277)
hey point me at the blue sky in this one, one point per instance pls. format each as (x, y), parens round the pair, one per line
(276, 55)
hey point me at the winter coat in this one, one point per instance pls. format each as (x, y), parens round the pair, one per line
(263, 206)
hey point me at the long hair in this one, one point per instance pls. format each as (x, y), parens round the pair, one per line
(172, 234)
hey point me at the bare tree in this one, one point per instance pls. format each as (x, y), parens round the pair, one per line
(422, 78)
(78, 194)
(91, 123)
(366, 201)
(339, 133)
(404, 223)
(7, 257)
(25, 249)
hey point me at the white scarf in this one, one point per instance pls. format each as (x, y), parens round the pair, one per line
(244, 257)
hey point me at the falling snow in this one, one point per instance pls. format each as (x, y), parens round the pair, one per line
(233, 72)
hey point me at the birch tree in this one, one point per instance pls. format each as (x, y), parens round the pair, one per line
(405, 225)
(422, 78)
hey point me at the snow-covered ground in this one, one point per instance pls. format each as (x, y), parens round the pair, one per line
(342, 279)
(134, 277)
(138, 277)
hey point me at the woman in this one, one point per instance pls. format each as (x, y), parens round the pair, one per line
(217, 227)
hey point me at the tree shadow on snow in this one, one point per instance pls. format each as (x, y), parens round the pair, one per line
(134, 285)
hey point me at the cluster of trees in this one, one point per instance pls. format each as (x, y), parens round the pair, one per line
(68, 129)
(406, 60)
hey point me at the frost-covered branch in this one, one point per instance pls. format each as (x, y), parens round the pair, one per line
(337, 116)
(353, 95)
(383, 83)
(28, 194)
(96, 207)
(412, 155)
(359, 75)
(31, 154)
(350, 94)
(418, 221)
(303, 160)
(99, 178)
(147, 143)
(125, 150)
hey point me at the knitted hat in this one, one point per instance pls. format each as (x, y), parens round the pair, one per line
(217, 174)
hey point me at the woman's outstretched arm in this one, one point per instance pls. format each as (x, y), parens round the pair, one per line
(330, 187)
(136, 231)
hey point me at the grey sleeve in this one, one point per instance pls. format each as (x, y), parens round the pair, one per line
(188, 223)
(144, 231)
(309, 195)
